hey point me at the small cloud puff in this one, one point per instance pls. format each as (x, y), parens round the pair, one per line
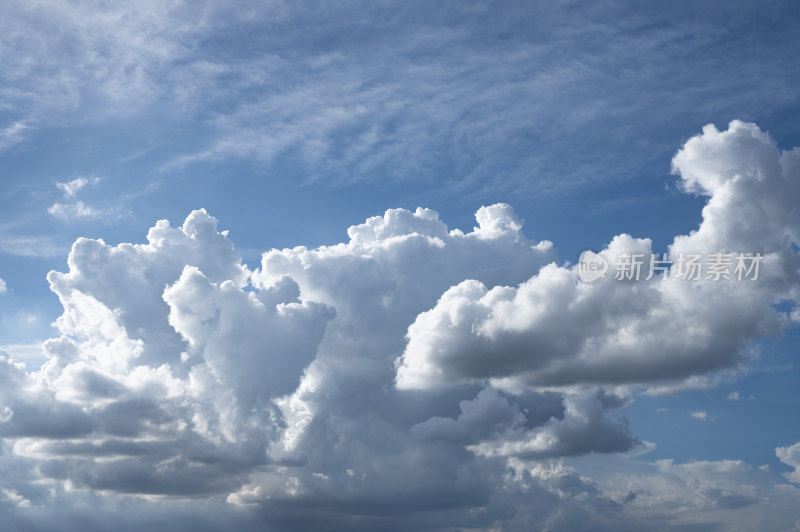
(73, 211)
(70, 188)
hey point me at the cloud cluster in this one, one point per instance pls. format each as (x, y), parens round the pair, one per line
(415, 376)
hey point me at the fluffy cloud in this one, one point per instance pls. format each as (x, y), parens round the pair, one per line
(414, 376)
(790, 456)
(172, 360)
(2, 286)
(582, 429)
(552, 330)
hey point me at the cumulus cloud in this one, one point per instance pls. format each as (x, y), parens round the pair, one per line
(488, 415)
(552, 330)
(169, 360)
(584, 428)
(413, 376)
(790, 455)
(3, 287)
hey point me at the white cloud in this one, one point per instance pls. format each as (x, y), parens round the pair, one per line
(723, 494)
(790, 455)
(70, 188)
(552, 330)
(23, 351)
(73, 211)
(699, 414)
(357, 111)
(3, 287)
(12, 134)
(734, 396)
(32, 246)
(113, 53)
(415, 374)
(15, 498)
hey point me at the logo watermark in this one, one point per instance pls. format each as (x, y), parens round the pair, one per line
(717, 266)
(591, 266)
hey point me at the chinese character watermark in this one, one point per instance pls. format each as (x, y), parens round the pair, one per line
(716, 266)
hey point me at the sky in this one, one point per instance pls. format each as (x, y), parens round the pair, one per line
(320, 266)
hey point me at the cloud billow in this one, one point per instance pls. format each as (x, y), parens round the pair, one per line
(552, 330)
(412, 376)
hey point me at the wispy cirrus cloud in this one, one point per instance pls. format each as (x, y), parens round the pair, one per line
(12, 134)
(424, 94)
(42, 246)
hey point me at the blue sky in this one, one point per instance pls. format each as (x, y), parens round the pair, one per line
(290, 123)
